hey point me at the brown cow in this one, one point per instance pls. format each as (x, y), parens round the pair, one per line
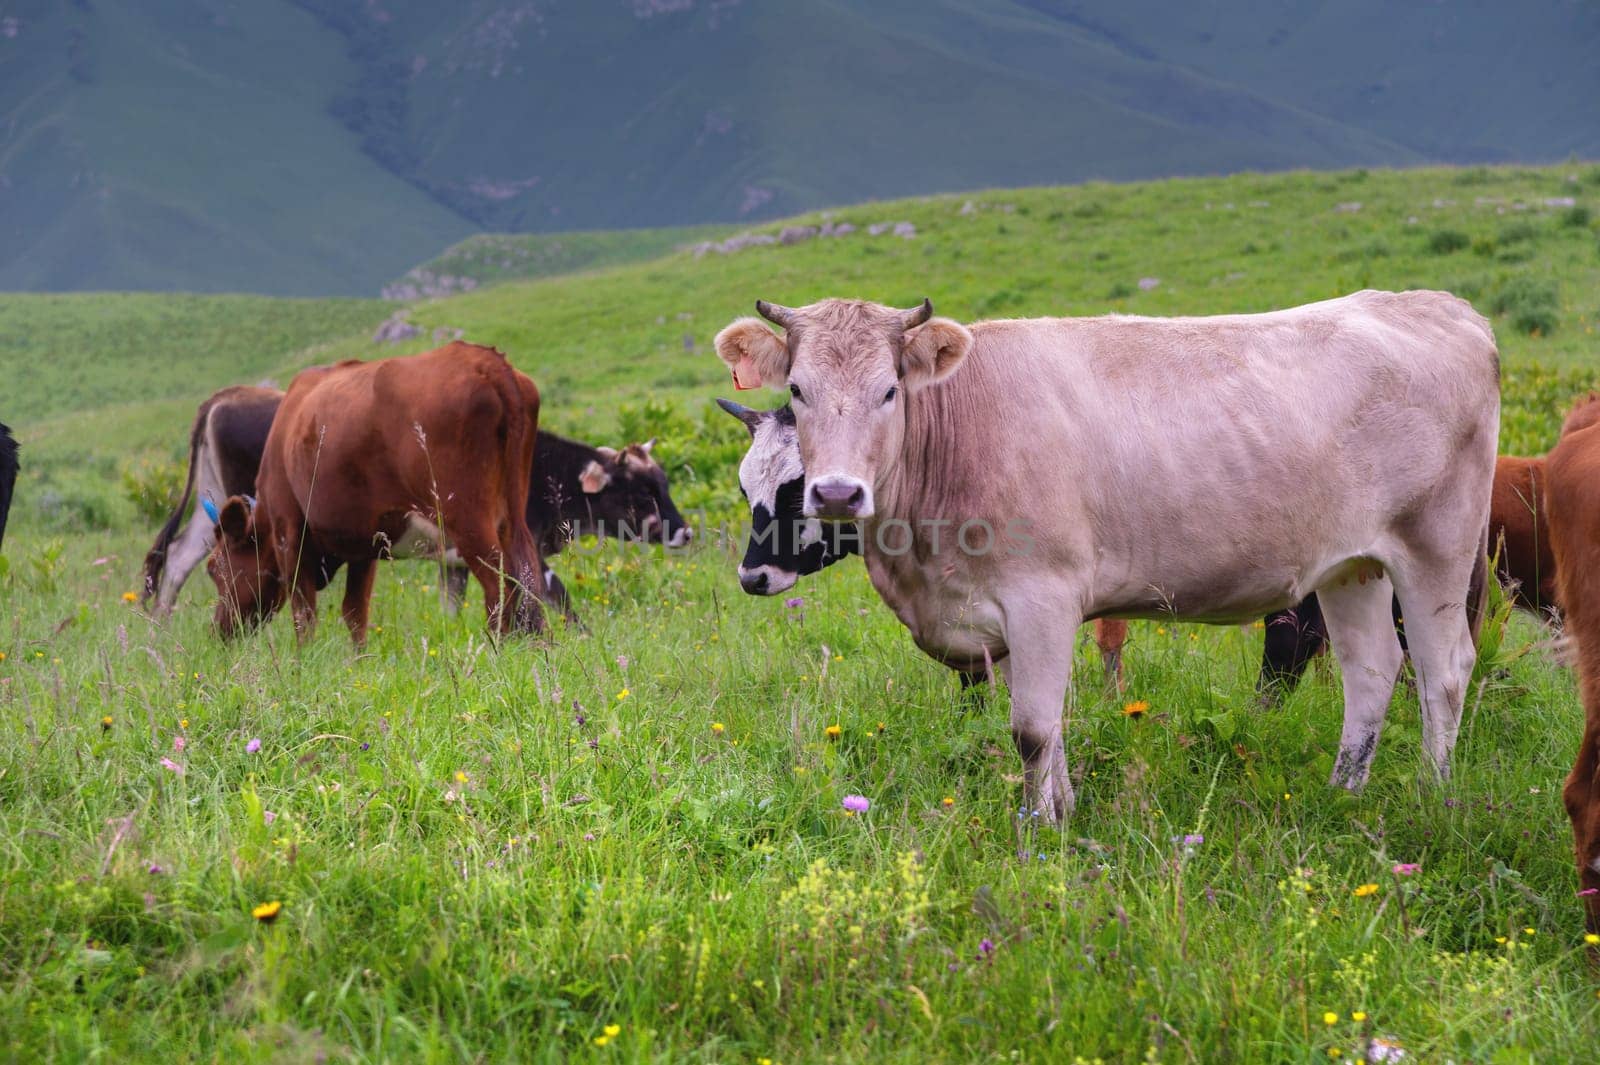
(370, 460)
(1572, 498)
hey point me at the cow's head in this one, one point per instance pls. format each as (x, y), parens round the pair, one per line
(625, 492)
(1584, 413)
(849, 367)
(784, 545)
(249, 589)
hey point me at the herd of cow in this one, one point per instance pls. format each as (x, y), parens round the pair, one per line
(1331, 467)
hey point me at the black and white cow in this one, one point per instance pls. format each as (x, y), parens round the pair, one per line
(785, 545)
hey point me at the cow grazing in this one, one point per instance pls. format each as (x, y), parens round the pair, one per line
(1572, 500)
(1014, 478)
(394, 458)
(575, 489)
(225, 446)
(8, 476)
(1523, 563)
(579, 490)
(785, 545)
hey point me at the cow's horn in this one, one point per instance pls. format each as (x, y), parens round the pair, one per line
(776, 313)
(751, 418)
(917, 315)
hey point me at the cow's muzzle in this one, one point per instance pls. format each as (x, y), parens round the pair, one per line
(838, 498)
(766, 580)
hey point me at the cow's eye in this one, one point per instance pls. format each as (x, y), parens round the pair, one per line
(888, 397)
(794, 390)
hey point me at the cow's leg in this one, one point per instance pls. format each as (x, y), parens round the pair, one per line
(1359, 624)
(1293, 638)
(481, 552)
(1110, 634)
(1038, 672)
(358, 580)
(454, 587)
(187, 551)
(1439, 638)
(302, 572)
(1581, 796)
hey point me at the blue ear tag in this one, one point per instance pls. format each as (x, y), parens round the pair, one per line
(211, 510)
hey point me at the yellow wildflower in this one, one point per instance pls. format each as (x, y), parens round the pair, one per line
(1330, 1018)
(1136, 708)
(130, 597)
(1364, 890)
(267, 912)
(1358, 1016)
(717, 728)
(833, 732)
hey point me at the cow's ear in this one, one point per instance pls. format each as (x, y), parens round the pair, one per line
(933, 351)
(593, 478)
(236, 519)
(756, 355)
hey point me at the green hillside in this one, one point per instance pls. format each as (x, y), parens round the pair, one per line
(322, 147)
(103, 383)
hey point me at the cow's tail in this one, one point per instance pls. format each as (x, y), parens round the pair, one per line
(8, 476)
(1478, 587)
(523, 566)
(156, 560)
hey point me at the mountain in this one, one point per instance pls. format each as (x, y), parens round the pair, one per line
(324, 146)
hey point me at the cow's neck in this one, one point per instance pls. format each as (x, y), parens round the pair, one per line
(558, 510)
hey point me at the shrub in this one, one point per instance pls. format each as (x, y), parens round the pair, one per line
(1530, 303)
(1120, 291)
(75, 508)
(1447, 241)
(153, 488)
(1577, 216)
(1518, 233)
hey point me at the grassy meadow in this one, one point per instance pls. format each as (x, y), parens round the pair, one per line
(627, 843)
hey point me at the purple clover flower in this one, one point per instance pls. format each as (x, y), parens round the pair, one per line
(252, 747)
(857, 804)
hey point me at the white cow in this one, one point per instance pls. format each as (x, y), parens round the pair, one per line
(1014, 478)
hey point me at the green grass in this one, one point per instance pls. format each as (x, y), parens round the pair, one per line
(702, 889)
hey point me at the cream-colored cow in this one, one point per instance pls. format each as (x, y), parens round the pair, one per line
(1014, 478)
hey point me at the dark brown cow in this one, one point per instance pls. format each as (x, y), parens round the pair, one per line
(394, 458)
(8, 476)
(1572, 498)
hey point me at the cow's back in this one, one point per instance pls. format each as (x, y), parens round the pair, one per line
(1173, 457)
(357, 441)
